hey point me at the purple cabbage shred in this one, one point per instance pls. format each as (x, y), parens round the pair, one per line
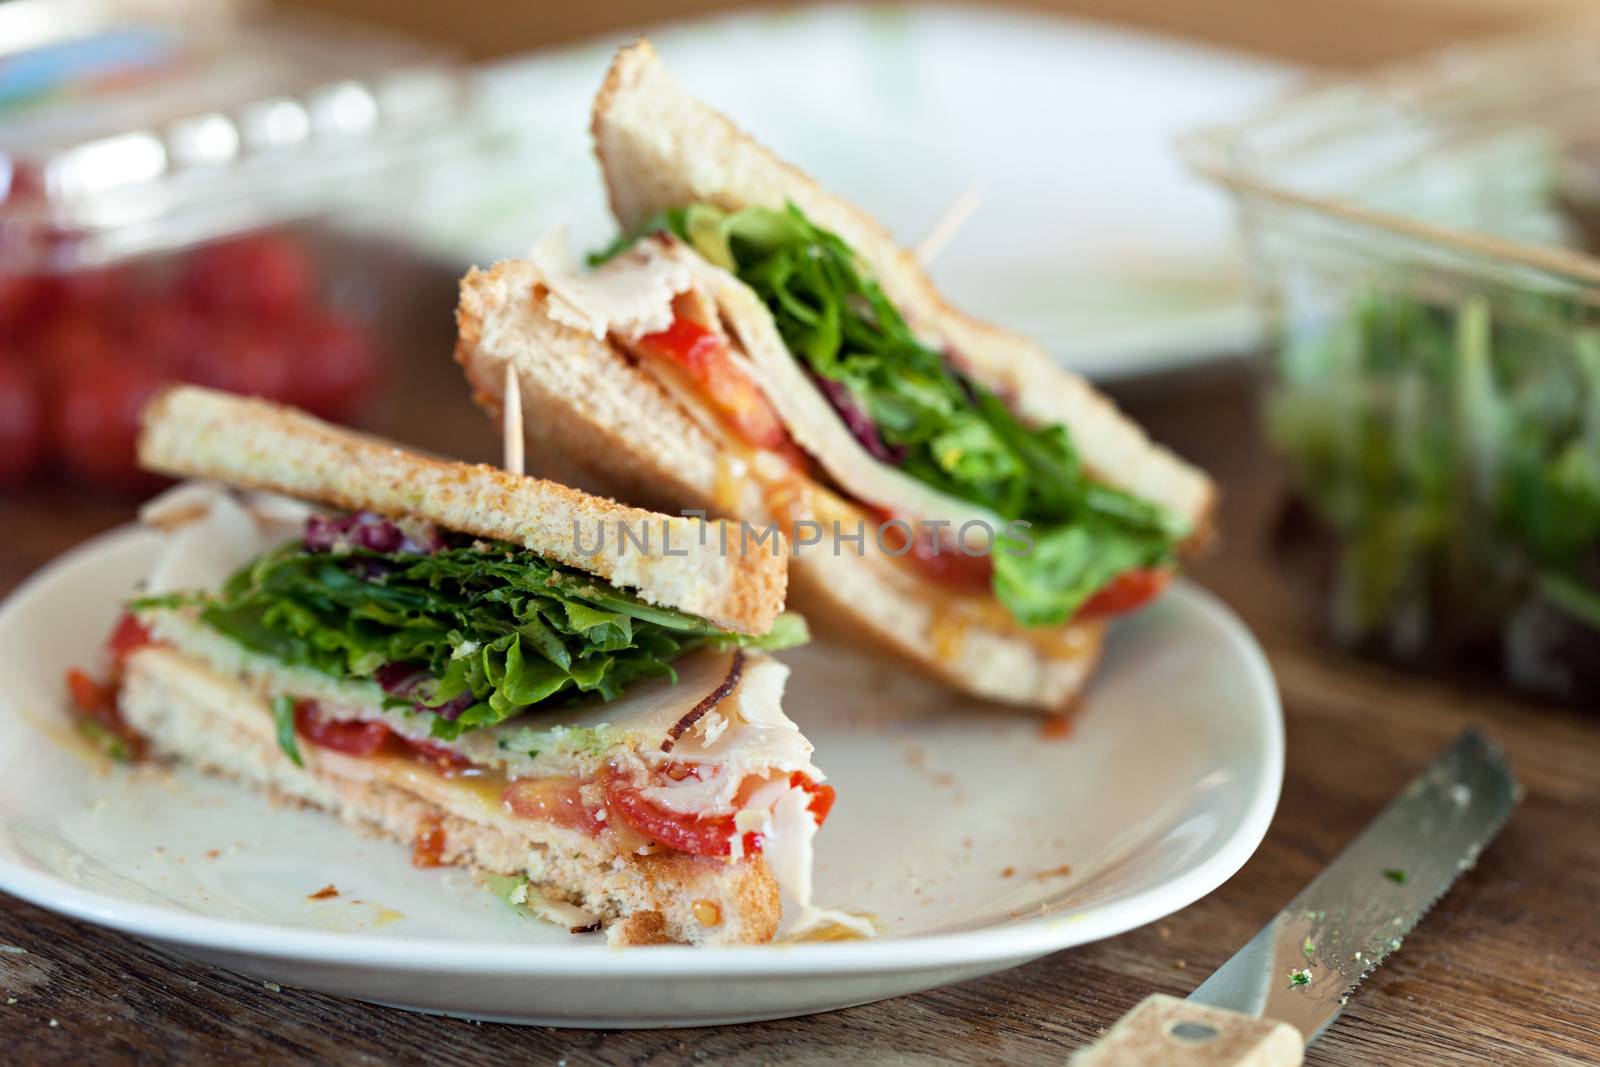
(452, 710)
(372, 532)
(401, 679)
(858, 421)
(405, 680)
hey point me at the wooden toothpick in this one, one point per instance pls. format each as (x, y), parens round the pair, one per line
(948, 223)
(512, 423)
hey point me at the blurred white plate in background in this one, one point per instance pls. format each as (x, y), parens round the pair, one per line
(1091, 235)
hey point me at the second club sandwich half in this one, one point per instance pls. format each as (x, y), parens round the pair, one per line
(757, 347)
(571, 697)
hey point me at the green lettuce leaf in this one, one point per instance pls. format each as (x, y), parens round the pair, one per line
(1068, 565)
(1453, 446)
(955, 435)
(498, 628)
(283, 720)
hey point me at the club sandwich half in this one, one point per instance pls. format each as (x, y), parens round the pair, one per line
(757, 347)
(573, 698)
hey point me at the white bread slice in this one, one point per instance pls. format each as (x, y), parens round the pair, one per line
(191, 713)
(660, 148)
(605, 421)
(192, 432)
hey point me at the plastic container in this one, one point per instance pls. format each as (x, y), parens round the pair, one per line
(196, 191)
(1423, 244)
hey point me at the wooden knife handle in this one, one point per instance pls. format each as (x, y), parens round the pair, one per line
(1164, 1031)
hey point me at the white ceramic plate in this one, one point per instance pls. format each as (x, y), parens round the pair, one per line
(976, 843)
(1091, 237)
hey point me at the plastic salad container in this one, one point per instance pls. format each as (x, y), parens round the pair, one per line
(193, 190)
(1423, 242)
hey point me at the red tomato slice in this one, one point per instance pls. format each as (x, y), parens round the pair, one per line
(822, 796)
(687, 833)
(704, 357)
(701, 835)
(129, 636)
(943, 563)
(555, 800)
(448, 762)
(678, 771)
(1126, 593)
(350, 738)
(94, 700)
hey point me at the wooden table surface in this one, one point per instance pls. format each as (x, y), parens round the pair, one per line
(1506, 967)
(1332, 32)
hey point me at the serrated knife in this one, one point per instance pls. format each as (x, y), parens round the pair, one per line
(1282, 990)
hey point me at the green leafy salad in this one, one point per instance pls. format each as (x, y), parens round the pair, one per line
(910, 407)
(474, 632)
(1454, 449)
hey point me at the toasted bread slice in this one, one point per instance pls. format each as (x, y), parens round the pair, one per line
(193, 432)
(189, 711)
(660, 148)
(611, 424)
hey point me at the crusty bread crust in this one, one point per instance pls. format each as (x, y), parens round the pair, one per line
(190, 713)
(606, 422)
(200, 433)
(661, 148)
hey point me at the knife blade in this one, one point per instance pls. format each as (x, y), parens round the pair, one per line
(1301, 968)
(1303, 964)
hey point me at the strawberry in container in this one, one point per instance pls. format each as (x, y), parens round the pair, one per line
(208, 228)
(245, 314)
